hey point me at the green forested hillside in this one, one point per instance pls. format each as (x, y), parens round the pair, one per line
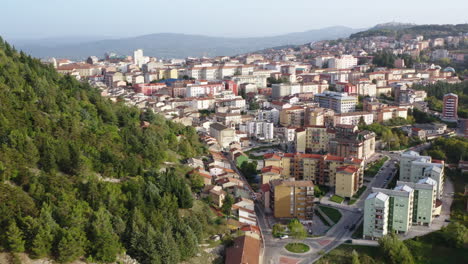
(428, 31)
(60, 142)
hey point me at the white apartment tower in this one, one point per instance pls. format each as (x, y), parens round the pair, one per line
(138, 58)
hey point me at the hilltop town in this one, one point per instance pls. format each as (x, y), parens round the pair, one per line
(332, 133)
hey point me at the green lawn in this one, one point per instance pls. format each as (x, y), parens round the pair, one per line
(332, 213)
(425, 250)
(297, 247)
(324, 221)
(352, 201)
(342, 254)
(337, 199)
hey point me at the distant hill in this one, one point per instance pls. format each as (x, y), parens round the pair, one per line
(428, 31)
(170, 45)
(393, 25)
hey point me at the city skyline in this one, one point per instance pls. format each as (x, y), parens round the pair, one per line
(106, 19)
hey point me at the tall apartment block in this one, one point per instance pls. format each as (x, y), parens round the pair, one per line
(424, 197)
(376, 210)
(449, 111)
(397, 210)
(292, 199)
(400, 206)
(414, 167)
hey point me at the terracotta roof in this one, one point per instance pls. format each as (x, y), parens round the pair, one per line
(246, 250)
(347, 169)
(250, 228)
(271, 156)
(273, 169)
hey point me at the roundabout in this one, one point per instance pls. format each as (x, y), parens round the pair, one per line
(297, 247)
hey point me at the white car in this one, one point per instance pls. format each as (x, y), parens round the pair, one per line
(284, 237)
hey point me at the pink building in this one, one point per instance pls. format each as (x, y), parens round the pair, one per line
(148, 88)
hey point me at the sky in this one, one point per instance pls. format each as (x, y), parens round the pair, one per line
(36, 19)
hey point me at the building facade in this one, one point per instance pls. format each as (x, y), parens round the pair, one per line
(339, 102)
(293, 199)
(450, 108)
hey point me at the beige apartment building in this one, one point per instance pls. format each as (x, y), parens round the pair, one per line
(292, 199)
(320, 169)
(347, 181)
(223, 134)
(313, 139)
(293, 116)
(343, 141)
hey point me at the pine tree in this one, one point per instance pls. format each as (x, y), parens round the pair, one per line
(42, 243)
(15, 239)
(105, 241)
(72, 244)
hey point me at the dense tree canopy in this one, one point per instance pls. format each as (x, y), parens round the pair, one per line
(436, 92)
(80, 177)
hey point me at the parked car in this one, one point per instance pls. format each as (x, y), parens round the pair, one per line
(352, 227)
(284, 236)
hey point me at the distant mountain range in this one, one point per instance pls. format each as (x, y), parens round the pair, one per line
(170, 45)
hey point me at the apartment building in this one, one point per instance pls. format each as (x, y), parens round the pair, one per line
(400, 213)
(342, 62)
(320, 169)
(292, 199)
(258, 80)
(269, 115)
(397, 210)
(284, 89)
(198, 90)
(424, 200)
(450, 108)
(339, 102)
(260, 130)
(222, 134)
(350, 142)
(353, 118)
(347, 181)
(376, 210)
(313, 139)
(414, 167)
(387, 113)
(293, 116)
